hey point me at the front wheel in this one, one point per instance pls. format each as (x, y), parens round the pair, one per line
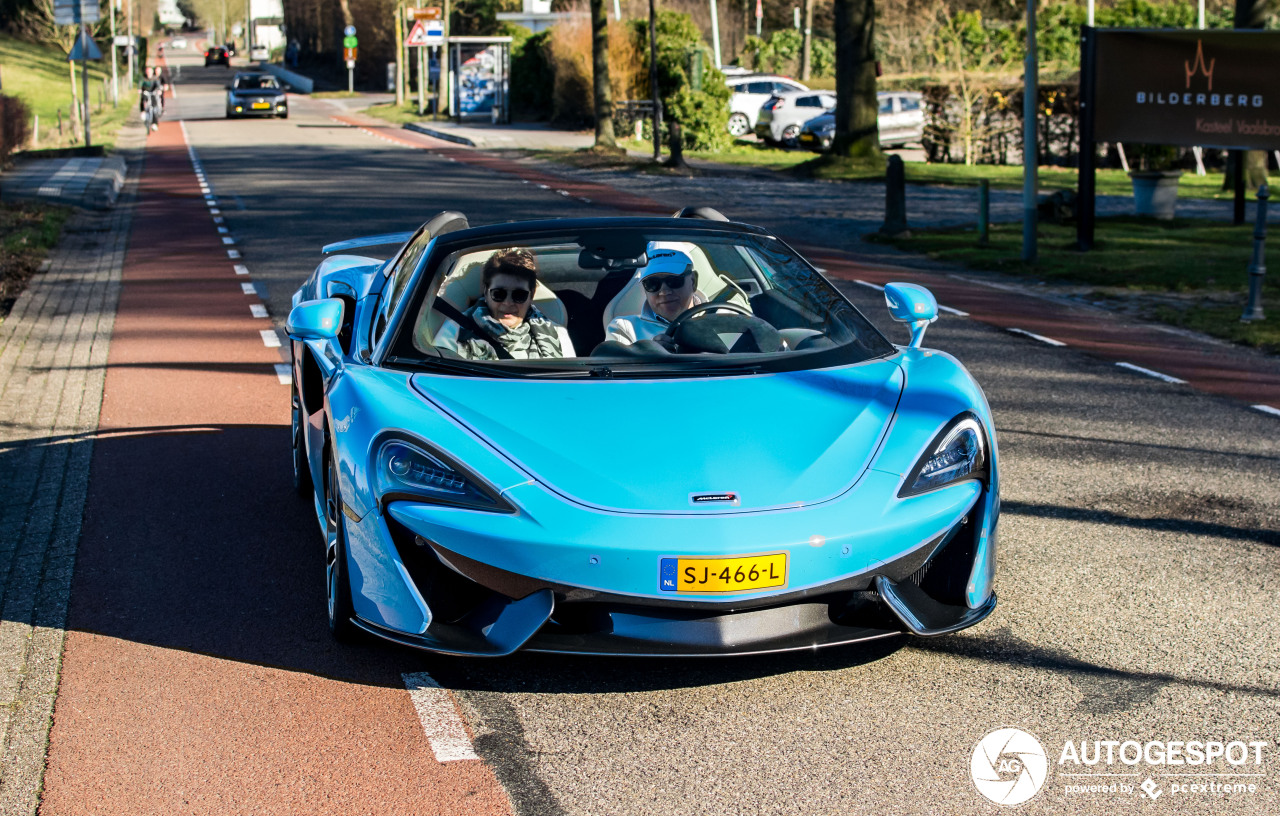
(337, 581)
(739, 125)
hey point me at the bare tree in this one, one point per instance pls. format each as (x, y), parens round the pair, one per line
(603, 92)
(1253, 14)
(857, 134)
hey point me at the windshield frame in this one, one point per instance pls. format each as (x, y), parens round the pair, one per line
(397, 351)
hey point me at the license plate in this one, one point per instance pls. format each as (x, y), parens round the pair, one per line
(808, 137)
(738, 574)
(261, 105)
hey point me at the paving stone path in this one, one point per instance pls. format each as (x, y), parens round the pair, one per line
(53, 354)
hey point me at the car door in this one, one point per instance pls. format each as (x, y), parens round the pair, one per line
(755, 94)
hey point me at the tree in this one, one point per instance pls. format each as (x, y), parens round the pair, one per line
(1253, 14)
(603, 93)
(857, 135)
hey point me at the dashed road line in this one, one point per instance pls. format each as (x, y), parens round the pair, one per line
(867, 284)
(258, 310)
(241, 269)
(440, 720)
(1266, 409)
(1148, 372)
(950, 310)
(284, 373)
(215, 211)
(233, 253)
(228, 240)
(248, 289)
(1049, 340)
(221, 229)
(269, 338)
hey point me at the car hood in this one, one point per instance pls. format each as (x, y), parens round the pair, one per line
(654, 446)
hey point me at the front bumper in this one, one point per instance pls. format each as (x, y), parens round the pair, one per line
(471, 607)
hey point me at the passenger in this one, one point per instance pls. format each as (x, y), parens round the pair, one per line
(506, 315)
(670, 288)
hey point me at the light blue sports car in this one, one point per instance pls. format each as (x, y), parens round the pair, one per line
(566, 465)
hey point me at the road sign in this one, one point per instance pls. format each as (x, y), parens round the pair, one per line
(74, 12)
(425, 32)
(349, 54)
(350, 42)
(84, 49)
(349, 31)
(429, 13)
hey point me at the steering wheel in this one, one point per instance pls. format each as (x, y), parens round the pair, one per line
(694, 311)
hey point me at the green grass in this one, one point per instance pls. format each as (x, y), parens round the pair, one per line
(39, 76)
(395, 114)
(336, 95)
(27, 232)
(1191, 273)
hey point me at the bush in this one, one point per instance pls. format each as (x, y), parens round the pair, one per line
(703, 114)
(531, 77)
(14, 116)
(781, 53)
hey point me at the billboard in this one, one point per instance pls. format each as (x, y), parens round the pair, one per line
(1179, 87)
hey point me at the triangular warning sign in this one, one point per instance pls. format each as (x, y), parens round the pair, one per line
(418, 36)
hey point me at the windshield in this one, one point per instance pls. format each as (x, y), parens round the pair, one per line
(631, 303)
(256, 83)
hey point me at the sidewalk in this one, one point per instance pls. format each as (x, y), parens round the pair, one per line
(523, 135)
(81, 182)
(53, 354)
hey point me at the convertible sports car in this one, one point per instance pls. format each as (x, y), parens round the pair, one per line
(770, 473)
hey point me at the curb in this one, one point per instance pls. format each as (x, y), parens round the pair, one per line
(439, 134)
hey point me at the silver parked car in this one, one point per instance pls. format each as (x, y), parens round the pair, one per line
(901, 122)
(750, 91)
(782, 117)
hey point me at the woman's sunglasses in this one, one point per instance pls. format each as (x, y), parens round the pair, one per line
(499, 295)
(653, 283)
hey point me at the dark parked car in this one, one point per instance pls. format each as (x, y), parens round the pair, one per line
(217, 55)
(256, 95)
(901, 122)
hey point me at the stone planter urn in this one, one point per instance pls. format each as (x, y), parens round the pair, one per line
(1155, 192)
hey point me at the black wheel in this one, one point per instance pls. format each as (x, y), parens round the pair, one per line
(284, 115)
(301, 470)
(337, 581)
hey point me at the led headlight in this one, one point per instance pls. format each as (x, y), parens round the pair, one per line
(957, 454)
(407, 471)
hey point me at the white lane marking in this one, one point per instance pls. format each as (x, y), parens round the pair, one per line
(213, 205)
(233, 253)
(241, 269)
(269, 338)
(217, 219)
(208, 197)
(227, 239)
(222, 230)
(1267, 409)
(258, 310)
(874, 286)
(543, 187)
(440, 719)
(563, 192)
(1151, 373)
(950, 310)
(284, 374)
(584, 200)
(248, 289)
(1039, 337)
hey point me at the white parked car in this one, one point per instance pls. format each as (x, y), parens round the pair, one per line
(782, 117)
(179, 43)
(259, 53)
(750, 92)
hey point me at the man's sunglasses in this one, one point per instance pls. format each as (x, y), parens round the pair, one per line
(653, 283)
(499, 295)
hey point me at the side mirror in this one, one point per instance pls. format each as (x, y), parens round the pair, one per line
(315, 320)
(913, 305)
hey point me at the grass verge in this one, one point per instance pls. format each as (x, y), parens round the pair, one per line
(1189, 273)
(393, 113)
(29, 231)
(39, 75)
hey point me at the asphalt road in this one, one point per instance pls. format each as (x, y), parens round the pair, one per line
(1138, 576)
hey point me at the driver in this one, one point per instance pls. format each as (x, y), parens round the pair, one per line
(670, 288)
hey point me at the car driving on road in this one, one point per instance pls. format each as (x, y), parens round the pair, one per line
(217, 55)
(764, 471)
(253, 94)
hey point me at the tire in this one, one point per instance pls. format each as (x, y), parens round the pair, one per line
(337, 581)
(284, 115)
(739, 125)
(791, 135)
(301, 469)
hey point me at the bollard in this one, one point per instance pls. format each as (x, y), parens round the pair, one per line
(984, 212)
(59, 121)
(676, 143)
(895, 198)
(35, 132)
(1253, 309)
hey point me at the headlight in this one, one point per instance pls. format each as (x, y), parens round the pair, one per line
(409, 471)
(957, 454)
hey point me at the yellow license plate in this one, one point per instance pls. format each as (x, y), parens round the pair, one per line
(261, 105)
(739, 574)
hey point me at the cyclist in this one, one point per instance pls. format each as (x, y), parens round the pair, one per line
(151, 99)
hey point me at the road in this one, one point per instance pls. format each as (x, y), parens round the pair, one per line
(1139, 565)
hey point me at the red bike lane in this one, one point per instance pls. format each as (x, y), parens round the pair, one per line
(198, 674)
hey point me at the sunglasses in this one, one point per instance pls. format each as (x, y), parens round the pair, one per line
(653, 283)
(499, 295)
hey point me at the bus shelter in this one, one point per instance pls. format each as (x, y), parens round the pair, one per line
(479, 77)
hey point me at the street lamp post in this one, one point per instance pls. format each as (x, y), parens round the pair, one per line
(1030, 92)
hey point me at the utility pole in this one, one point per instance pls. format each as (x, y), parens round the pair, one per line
(444, 79)
(806, 55)
(399, 35)
(653, 82)
(115, 81)
(129, 83)
(715, 30)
